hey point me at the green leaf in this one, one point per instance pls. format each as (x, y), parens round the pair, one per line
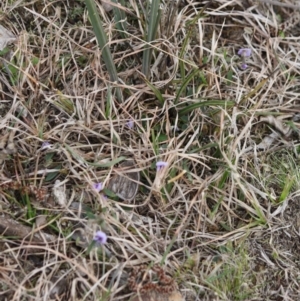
(185, 83)
(52, 175)
(162, 138)
(48, 158)
(156, 92)
(220, 103)
(110, 194)
(4, 51)
(229, 77)
(35, 60)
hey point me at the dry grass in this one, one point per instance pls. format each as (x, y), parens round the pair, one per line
(222, 218)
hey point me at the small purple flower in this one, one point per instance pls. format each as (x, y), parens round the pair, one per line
(46, 145)
(100, 238)
(244, 66)
(245, 52)
(98, 186)
(160, 165)
(130, 124)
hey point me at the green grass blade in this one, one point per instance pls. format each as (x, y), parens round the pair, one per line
(120, 18)
(157, 93)
(151, 31)
(190, 28)
(185, 83)
(192, 107)
(289, 182)
(102, 41)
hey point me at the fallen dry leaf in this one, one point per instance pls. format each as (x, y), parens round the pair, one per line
(57, 286)
(125, 184)
(7, 146)
(106, 6)
(6, 37)
(11, 227)
(59, 193)
(278, 125)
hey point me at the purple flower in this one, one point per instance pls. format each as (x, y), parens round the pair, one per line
(245, 52)
(130, 124)
(160, 165)
(100, 238)
(244, 66)
(46, 145)
(98, 186)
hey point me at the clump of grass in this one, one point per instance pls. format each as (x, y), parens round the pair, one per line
(279, 175)
(152, 24)
(190, 105)
(230, 273)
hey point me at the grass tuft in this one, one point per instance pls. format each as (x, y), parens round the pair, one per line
(88, 87)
